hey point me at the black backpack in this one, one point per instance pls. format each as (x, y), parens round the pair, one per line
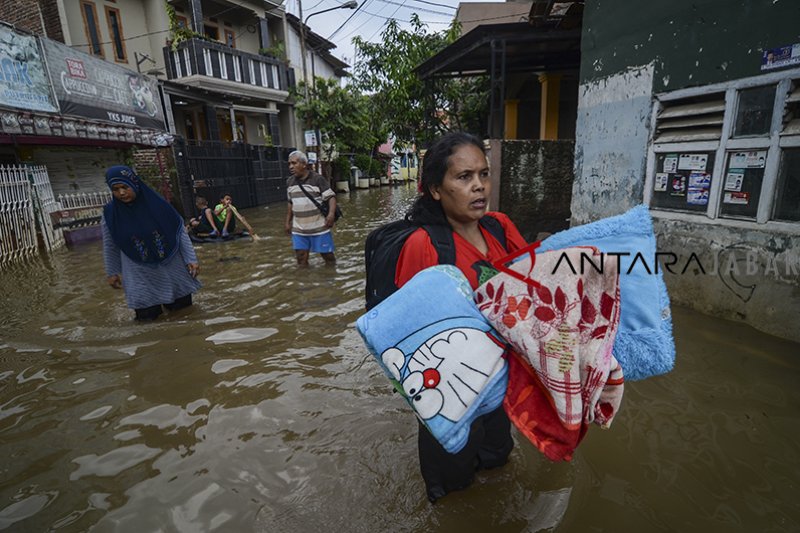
(383, 246)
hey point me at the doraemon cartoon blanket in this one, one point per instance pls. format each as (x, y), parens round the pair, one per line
(439, 352)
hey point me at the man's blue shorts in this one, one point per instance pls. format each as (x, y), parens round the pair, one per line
(318, 244)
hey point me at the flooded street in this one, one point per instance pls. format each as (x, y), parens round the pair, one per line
(259, 409)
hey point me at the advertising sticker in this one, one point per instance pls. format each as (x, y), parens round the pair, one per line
(699, 180)
(739, 198)
(660, 184)
(755, 159)
(734, 179)
(678, 185)
(671, 163)
(692, 161)
(697, 197)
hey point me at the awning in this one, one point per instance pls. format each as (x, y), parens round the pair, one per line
(527, 49)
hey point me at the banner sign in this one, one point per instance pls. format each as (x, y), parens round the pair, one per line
(89, 87)
(23, 80)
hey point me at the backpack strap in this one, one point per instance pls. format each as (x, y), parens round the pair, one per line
(495, 229)
(442, 240)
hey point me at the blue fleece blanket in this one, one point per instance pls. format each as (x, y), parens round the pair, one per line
(439, 352)
(644, 345)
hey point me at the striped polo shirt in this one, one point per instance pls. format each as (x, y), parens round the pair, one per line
(306, 218)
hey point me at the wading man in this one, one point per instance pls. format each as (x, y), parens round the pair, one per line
(308, 193)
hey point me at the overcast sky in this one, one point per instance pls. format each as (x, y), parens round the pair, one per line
(370, 19)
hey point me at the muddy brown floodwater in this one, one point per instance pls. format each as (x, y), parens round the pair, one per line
(261, 410)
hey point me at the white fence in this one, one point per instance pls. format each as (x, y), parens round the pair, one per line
(84, 199)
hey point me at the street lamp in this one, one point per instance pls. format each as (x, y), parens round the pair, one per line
(351, 4)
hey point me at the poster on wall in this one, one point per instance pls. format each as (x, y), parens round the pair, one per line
(23, 79)
(699, 185)
(737, 198)
(692, 161)
(671, 163)
(660, 184)
(697, 196)
(783, 56)
(699, 180)
(734, 179)
(89, 87)
(677, 185)
(310, 138)
(755, 159)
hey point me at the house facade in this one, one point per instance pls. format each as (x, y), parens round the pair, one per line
(320, 62)
(695, 111)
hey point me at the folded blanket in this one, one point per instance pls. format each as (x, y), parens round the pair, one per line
(530, 408)
(563, 330)
(644, 344)
(439, 352)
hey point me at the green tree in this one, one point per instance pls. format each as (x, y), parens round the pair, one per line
(404, 104)
(341, 113)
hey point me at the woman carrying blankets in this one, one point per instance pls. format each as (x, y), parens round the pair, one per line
(146, 248)
(455, 190)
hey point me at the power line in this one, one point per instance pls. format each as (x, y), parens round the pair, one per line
(436, 4)
(384, 24)
(353, 14)
(421, 9)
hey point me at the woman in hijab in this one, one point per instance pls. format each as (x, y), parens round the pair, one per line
(146, 249)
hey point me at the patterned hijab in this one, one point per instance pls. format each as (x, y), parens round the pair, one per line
(147, 229)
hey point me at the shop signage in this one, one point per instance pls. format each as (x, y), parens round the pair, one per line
(23, 80)
(89, 87)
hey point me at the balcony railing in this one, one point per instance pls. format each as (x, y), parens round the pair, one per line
(217, 60)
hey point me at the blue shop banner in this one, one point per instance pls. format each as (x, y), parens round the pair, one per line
(89, 87)
(23, 79)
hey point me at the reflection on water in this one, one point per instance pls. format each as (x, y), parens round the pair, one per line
(260, 410)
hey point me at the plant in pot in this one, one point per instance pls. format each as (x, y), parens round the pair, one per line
(364, 163)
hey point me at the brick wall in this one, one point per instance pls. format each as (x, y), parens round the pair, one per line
(29, 15)
(156, 166)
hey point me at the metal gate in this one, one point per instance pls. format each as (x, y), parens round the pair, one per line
(17, 220)
(45, 204)
(253, 175)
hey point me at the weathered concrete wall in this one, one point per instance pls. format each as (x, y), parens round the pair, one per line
(689, 43)
(740, 274)
(535, 184)
(611, 139)
(631, 53)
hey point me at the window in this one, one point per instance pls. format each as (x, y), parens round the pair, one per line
(90, 27)
(212, 32)
(754, 112)
(730, 150)
(787, 205)
(183, 22)
(230, 38)
(683, 180)
(744, 175)
(115, 30)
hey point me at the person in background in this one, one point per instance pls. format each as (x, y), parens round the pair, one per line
(309, 229)
(146, 249)
(224, 213)
(455, 191)
(205, 222)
